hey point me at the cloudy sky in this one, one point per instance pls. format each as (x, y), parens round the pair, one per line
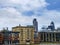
(15, 12)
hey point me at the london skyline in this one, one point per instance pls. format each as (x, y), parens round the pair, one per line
(15, 12)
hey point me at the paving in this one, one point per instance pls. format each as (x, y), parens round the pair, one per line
(50, 44)
(38, 44)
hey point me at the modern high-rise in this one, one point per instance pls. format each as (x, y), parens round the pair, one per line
(52, 26)
(26, 34)
(35, 24)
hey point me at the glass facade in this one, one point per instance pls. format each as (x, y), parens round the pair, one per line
(35, 24)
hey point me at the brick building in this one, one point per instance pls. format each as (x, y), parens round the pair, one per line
(1, 38)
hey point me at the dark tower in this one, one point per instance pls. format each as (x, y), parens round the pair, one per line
(52, 26)
(35, 24)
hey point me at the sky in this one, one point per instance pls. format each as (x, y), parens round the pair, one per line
(15, 12)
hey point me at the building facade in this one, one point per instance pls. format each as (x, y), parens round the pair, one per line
(49, 36)
(26, 33)
(37, 39)
(1, 38)
(7, 38)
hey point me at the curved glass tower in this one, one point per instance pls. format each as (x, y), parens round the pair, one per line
(35, 24)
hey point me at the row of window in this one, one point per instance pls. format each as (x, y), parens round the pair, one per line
(50, 36)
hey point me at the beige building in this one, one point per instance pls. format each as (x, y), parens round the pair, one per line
(49, 36)
(26, 34)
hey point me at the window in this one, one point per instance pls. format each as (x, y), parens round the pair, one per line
(28, 33)
(22, 34)
(16, 36)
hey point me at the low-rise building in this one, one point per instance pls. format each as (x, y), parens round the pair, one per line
(49, 36)
(6, 37)
(26, 33)
(37, 40)
(1, 38)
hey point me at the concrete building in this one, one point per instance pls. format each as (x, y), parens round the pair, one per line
(26, 33)
(49, 36)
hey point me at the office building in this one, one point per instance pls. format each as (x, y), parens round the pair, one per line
(9, 37)
(51, 26)
(49, 36)
(35, 25)
(26, 34)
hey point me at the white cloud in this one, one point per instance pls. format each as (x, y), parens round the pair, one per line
(50, 15)
(33, 3)
(25, 4)
(10, 16)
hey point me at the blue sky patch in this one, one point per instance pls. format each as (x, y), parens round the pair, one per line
(28, 13)
(53, 4)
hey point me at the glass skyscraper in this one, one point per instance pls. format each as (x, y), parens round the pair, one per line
(35, 24)
(51, 26)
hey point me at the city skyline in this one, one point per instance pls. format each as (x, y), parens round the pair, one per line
(15, 12)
